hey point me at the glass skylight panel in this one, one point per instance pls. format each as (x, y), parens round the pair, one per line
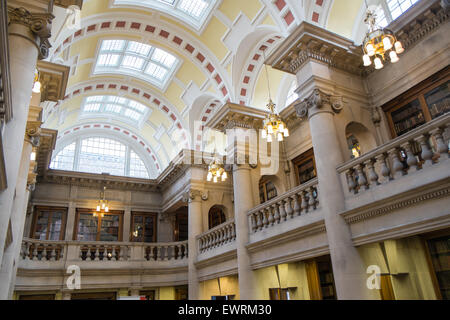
(194, 8)
(381, 17)
(164, 58)
(117, 106)
(398, 7)
(132, 114)
(137, 167)
(135, 59)
(133, 62)
(139, 48)
(64, 160)
(100, 155)
(156, 71)
(95, 107)
(114, 108)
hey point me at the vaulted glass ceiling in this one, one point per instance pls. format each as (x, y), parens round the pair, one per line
(193, 12)
(136, 59)
(119, 107)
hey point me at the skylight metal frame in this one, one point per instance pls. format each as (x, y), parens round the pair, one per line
(141, 72)
(103, 102)
(75, 163)
(172, 7)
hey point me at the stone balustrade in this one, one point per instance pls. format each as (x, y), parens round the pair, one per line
(217, 236)
(166, 251)
(297, 201)
(416, 150)
(39, 250)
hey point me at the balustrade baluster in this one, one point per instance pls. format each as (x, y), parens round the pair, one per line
(372, 174)
(259, 217)
(411, 159)
(441, 146)
(312, 200)
(297, 208)
(289, 209)
(384, 169)
(233, 231)
(26, 251)
(362, 181)
(264, 221)
(114, 253)
(52, 253)
(427, 154)
(283, 214)
(253, 222)
(304, 203)
(397, 166)
(350, 181)
(158, 253)
(35, 252)
(276, 215)
(270, 218)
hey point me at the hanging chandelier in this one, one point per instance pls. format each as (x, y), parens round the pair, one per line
(102, 205)
(216, 171)
(379, 43)
(273, 124)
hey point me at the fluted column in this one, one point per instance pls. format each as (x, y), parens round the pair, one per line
(243, 202)
(28, 40)
(193, 197)
(348, 267)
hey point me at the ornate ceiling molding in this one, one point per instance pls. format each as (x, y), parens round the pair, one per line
(54, 78)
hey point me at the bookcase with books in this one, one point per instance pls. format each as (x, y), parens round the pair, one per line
(420, 104)
(439, 251)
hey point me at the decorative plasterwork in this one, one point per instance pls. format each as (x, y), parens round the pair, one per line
(40, 25)
(312, 42)
(317, 100)
(53, 78)
(232, 116)
(388, 206)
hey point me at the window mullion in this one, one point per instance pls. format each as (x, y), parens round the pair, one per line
(387, 12)
(127, 161)
(76, 159)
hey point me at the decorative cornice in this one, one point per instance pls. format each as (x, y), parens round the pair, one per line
(386, 207)
(54, 78)
(40, 25)
(231, 116)
(312, 42)
(89, 180)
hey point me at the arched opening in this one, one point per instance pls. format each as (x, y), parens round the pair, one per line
(216, 216)
(359, 139)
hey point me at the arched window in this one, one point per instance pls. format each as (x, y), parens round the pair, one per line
(216, 217)
(100, 155)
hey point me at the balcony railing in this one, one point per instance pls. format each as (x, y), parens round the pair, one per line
(39, 250)
(296, 202)
(413, 151)
(217, 236)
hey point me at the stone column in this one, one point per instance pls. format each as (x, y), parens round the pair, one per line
(195, 227)
(70, 224)
(18, 213)
(126, 224)
(28, 40)
(348, 267)
(243, 202)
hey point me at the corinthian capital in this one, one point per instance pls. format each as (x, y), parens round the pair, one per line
(33, 132)
(195, 195)
(319, 100)
(40, 24)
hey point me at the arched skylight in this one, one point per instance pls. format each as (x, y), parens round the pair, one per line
(100, 155)
(120, 107)
(136, 59)
(194, 12)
